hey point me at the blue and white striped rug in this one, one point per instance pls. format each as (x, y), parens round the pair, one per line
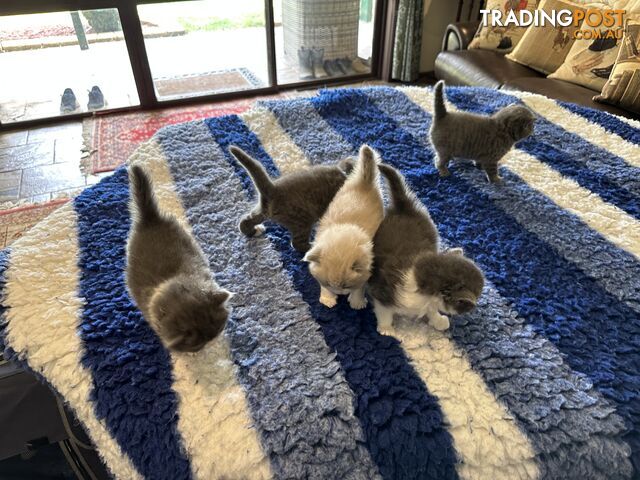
(541, 381)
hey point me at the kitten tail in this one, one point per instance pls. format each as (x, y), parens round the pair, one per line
(439, 107)
(366, 169)
(144, 200)
(256, 171)
(401, 197)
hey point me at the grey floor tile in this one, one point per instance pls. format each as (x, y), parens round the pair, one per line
(51, 178)
(10, 185)
(12, 139)
(24, 156)
(63, 131)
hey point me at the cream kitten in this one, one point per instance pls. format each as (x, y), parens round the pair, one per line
(341, 256)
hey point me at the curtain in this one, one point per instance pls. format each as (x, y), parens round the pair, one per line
(408, 41)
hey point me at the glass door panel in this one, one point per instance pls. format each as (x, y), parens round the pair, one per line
(59, 63)
(318, 40)
(205, 47)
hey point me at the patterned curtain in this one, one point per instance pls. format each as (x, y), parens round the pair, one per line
(408, 41)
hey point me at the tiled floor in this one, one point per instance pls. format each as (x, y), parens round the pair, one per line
(41, 164)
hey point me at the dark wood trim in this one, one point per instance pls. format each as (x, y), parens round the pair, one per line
(388, 35)
(271, 42)
(134, 38)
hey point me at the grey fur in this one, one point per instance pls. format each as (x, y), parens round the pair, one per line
(408, 240)
(485, 139)
(296, 201)
(168, 275)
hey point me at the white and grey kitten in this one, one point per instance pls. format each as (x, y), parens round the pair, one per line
(484, 139)
(341, 256)
(411, 277)
(168, 275)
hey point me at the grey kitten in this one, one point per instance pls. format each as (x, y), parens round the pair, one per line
(168, 275)
(410, 276)
(296, 200)
(485, 139)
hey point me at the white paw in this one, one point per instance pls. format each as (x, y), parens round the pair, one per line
(440, 323)
(388, 331)
(329, 302)
(259, 230)
(357, 302)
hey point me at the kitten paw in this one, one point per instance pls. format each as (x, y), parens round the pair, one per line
(444, 172)
(259, 230)
(357, 303)
(386, 331)
(329, 302)
(440, 323)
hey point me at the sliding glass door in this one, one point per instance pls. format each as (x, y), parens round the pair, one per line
(56, 64)
(209, 47)
(149, 53)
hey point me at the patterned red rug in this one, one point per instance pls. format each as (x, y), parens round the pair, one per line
(14, 222)
(111, 138)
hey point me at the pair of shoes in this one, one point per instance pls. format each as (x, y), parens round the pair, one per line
(310, 60)
(344, 66)
(360, 66)
(333, 68)
(96, 99)
(69, 102)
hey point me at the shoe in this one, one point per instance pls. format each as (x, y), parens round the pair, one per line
(304, 63)
(68, 102)
(96, 99)
(316, 59)
(345, 66)
(359, 66)
(332, 67)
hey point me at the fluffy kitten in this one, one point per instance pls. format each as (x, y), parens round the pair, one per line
(341, 255)
(168, 275)
(296, 201)
(410, 276)
(481, 138)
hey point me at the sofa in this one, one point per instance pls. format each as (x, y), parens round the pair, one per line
(457, 65)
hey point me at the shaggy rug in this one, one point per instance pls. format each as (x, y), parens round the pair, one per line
(542, 380)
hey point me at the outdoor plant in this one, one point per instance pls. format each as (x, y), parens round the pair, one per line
(102, 21)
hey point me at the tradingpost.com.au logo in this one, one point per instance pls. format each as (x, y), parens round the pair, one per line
(601, 23)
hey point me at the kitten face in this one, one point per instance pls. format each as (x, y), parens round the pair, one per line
(455, 279)
(189, 314)
(518, 120)
(341, 258)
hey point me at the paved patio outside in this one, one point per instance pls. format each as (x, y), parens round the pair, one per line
(33, 80)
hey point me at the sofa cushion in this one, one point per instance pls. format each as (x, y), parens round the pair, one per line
(563, 91)
(481, 68)
(502, 39)
(623, 86)
(544, 48)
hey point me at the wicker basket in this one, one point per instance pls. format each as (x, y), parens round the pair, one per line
(328, 24)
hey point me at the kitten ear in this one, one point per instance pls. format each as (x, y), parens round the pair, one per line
(456, 251)
(360, 266)
(312, 255)
(222, 296)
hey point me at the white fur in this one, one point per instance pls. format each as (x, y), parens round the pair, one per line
(413, 304)
(614, 224)
(226, 445)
